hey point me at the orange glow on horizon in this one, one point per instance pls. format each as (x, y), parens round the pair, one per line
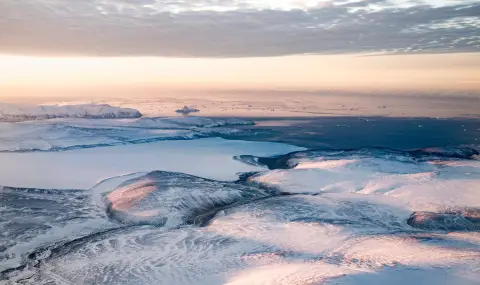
(19, 75)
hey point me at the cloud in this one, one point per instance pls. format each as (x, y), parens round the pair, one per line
(234, 28)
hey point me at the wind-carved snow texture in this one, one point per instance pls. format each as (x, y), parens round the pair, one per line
(368, 216)
(30, 218)
(16, 113)
(68, 134)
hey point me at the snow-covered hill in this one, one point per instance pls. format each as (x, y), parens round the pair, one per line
(15, 113)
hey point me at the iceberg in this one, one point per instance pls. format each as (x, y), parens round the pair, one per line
(187, 110)
(16, 113)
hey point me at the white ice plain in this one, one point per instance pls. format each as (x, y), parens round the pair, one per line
(346, 223)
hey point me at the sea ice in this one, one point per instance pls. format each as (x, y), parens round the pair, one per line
(83, 168)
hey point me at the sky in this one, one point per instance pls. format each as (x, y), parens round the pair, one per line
(250, 44)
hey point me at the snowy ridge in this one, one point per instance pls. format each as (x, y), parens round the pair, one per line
(16, 113)
(301, 159)
(172, 199)
(423, 180)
